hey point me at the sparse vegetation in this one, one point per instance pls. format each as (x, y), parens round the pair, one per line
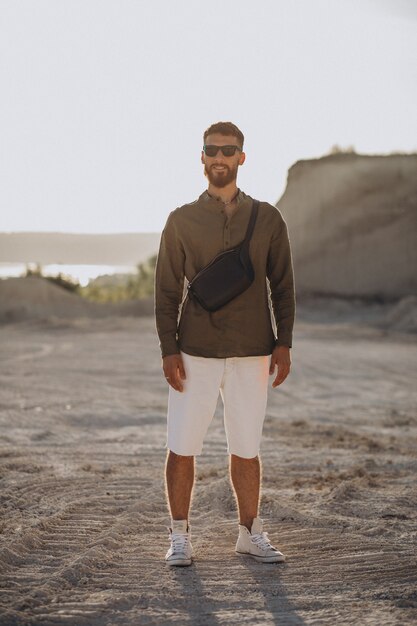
(336, 149)
(62, 280)
(112, 288)
(126, 287)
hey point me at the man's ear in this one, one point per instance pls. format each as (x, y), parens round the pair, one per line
(242, 158)
(202, 156)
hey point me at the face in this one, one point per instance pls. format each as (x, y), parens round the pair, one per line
(221, 170)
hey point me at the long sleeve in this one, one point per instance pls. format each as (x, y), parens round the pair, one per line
(281, 281)
(169, 285)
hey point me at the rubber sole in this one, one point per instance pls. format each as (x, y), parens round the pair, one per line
(261, 559)
(179, 562)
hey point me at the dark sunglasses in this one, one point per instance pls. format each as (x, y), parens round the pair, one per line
(227, 151)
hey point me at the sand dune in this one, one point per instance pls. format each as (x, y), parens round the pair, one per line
(38, 298)
(353, 225)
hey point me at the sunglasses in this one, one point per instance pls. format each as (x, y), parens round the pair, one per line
(227, 151)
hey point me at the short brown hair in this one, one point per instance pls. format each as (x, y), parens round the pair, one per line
(225, 128)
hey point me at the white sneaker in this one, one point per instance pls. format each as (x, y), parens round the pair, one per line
(257, 545)
(181, 550)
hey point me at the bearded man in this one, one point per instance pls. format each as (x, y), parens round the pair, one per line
(230, 351)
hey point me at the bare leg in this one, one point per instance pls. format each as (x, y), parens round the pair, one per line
(246, 479)
(179, 473)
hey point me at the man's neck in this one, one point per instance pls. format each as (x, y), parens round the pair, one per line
(225, 194)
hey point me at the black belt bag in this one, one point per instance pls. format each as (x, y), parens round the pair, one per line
(228, 275)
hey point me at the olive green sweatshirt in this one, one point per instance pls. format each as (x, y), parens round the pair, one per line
(256, 320)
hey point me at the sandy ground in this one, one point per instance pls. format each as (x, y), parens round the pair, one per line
(83, 530)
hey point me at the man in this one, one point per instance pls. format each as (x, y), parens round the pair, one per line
(230, 351)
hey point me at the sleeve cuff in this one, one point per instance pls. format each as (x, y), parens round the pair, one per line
(284, 341)
(169, 347)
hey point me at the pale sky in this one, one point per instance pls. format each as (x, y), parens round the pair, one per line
(104, 103)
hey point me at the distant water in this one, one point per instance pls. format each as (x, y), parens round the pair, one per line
(82, 273)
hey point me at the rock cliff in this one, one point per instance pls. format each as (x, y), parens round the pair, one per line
(352, 221)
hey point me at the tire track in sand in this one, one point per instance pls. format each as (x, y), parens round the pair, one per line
(100, 555)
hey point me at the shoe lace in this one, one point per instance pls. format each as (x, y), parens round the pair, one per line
(261, 540)
(179, 542)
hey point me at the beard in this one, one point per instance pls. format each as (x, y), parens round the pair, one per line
(221, 179)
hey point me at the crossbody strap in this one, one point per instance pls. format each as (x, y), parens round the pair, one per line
(252, 221)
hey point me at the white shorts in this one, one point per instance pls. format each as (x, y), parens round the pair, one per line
(243, 385)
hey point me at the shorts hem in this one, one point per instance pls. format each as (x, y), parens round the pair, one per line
(243, 456)
(182, 453)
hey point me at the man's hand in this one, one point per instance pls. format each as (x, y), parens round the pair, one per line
(174, 371)
(281, 359)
